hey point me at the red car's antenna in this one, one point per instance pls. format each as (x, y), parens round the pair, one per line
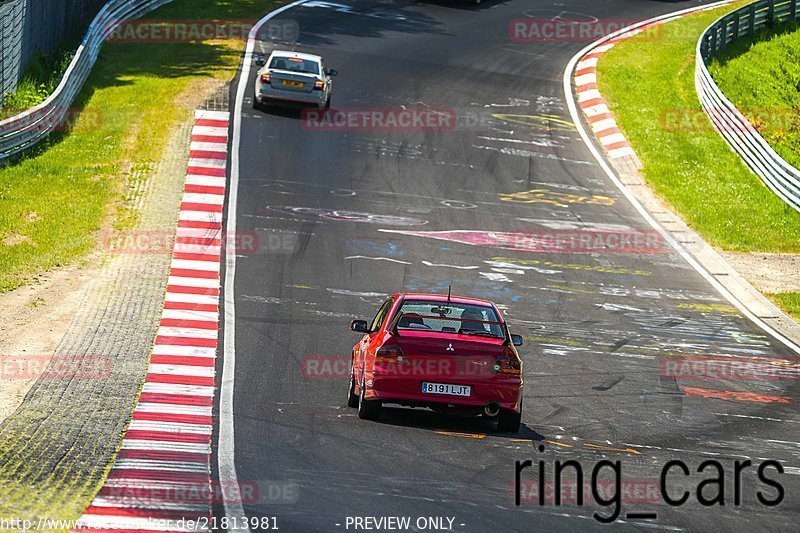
(448, 294)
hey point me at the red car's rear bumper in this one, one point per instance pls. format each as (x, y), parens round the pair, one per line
(505, 391)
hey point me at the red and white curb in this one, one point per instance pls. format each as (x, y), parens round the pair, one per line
(591, 101)
(161, 478)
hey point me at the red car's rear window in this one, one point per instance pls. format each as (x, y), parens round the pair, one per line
(446, 317)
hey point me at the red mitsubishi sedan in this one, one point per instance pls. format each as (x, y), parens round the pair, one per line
(451, 354)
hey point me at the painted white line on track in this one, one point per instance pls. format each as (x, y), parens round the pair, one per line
(188, 351)
(179, 314)
(151, 407)
(163, 466)
(191, 333)
(206, 181)
(171, 388)
(197, 162)
(171, 427)
(147, 502)
(203, 198)
(186, 248)
(193, 282)
(226, 447)
(200, 216)
(162, 445)
(210, 131)
(181, 370)
(188, 264)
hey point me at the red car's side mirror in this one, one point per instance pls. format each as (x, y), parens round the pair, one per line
(359, 326)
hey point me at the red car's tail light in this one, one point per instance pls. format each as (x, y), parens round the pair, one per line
(319, 85)
(508, 363)
(389, 354)
(265, 77)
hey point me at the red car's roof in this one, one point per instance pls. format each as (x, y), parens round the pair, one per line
(443, 298)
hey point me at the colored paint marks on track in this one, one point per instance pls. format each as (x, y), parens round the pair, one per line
(558, 199)
(735, 396)
(162, 473)
(545, 122)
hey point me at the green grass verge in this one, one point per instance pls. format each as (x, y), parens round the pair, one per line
(789, 302)
(648, 82)
(54, 201)
(760, 76)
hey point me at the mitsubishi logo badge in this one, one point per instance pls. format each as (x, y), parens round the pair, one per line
(450, 347)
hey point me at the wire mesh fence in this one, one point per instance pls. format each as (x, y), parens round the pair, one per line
(31, 26)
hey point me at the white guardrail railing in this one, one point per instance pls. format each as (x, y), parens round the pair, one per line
(779, 175)
(24, 130)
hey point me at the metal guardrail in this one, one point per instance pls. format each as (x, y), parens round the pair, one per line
(779, 175)
(24, 130)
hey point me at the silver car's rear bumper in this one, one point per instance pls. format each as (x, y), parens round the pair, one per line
(267, 93)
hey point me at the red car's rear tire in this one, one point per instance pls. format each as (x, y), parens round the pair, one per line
(352, 397)
(509, 421)
(368, 409)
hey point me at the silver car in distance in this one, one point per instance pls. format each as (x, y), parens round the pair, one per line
(293, 77)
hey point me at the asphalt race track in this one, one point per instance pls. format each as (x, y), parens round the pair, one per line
(345, 217)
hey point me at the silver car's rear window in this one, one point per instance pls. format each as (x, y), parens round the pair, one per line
(294, 64)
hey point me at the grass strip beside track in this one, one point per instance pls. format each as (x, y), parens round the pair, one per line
(789, 302)
(648, 81)
(55, 200)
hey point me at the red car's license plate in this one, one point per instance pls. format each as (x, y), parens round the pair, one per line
(444, 388)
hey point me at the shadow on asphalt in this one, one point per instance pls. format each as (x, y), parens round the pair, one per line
(464, 4)
(426, 419)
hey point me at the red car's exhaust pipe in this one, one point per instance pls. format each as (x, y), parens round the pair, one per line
(491, 409)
